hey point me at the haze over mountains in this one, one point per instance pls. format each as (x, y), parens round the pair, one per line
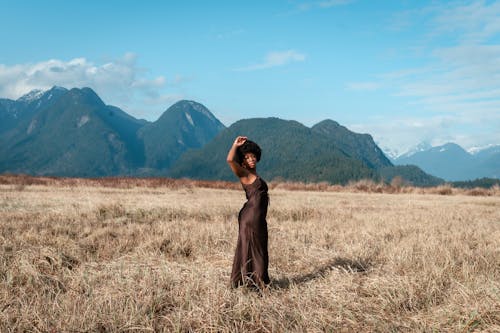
(453, 163)
(63, 132)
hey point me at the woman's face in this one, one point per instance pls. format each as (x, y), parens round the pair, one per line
(249, 161)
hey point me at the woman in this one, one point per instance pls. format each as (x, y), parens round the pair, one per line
(251, 258)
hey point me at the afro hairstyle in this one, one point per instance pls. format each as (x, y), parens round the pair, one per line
(248, 147)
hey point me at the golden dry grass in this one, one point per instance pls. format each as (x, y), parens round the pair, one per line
(81, 257)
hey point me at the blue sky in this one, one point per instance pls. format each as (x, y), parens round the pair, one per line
(403, 71)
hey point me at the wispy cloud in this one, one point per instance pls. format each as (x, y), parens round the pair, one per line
(275, 59)
(474, 22)
(455, 90)
(466, 74)
(119, 82)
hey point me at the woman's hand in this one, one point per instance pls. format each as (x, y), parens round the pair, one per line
(239, 141)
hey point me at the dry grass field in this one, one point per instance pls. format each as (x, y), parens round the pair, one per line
(83, 257)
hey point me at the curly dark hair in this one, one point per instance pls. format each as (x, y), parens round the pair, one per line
(248, 147)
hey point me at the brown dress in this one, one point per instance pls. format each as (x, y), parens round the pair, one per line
(251, 258)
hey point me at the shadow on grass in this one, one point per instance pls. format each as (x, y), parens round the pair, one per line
(342, 264)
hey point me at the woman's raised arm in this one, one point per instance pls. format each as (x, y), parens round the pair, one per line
(238, 170)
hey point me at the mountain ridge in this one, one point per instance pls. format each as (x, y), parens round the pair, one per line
(291, 151)
(77, 134)
(164, 142)
(74, 133)
(360, 146)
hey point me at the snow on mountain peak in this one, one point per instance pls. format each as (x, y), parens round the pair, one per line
(31, 96)
(36, 94)
(422, 146)
(475, 150)
(389, 152)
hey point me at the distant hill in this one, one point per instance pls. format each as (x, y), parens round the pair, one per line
(73, 133)
(292, 151)
(8, 114)
(185, 125)
(14, 112)
(453, 163)
(487, 162)
(78, 135)
(359, 146)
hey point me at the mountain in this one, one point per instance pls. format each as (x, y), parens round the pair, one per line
(487, 162)
(13, 112)
(359, 146)
(185, 125)
(77, 135)
(487, 152)
(290, 151)
(391, 153)
(8, 114)
(421, 147)
(73, 133)
(451, 162)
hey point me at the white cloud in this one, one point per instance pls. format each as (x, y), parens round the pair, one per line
(274, 59)
(119, 82)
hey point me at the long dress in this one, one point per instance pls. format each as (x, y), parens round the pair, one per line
(251, 259)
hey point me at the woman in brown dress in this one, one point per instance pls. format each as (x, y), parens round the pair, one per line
(251, 258)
